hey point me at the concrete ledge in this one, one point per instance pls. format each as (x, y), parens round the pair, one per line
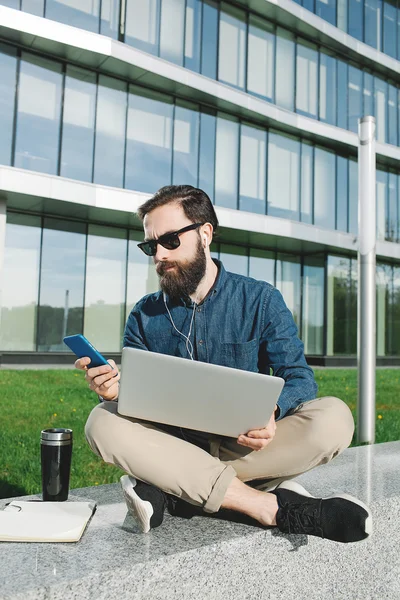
(215, 559)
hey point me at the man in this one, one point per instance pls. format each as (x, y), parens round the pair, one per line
(204, 313)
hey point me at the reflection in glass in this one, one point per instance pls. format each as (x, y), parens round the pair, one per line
(368, 94)
(78, 124)
(11, 3)
(172, 30)
(260, 60)
(110, 131)
(207, 153)
(307, 182)
(209, 39)
(392, 115)
(394, 324)
(342, 11)
(21, 274)
(34, 7)
(327, 89)
(313, 305)
(252, 183)
(324, 188)
(226, 162)
(389, 27)
(353, 196)
(142, 25)
(104, 319)
(186, 145)
(61, 283)
(381, 203)
(342, 92)
(232, 47)
(341, 327)
(262, 265)
(355, 98)
(234, 259)
(38, 117)
(326, 9)
(84, 14)
(193, 35)
(283, 176)
(392, 214)
(284, 87)
(142, 276)
(381, 93)
(109, 18)
(288, 280)
(149, 141)
(307, 80)
(373, 15)
(8, 70)
(342, 192)
(383, 284)
(356, 19)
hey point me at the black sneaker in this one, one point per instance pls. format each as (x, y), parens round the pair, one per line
(340, 518)
(145, 502)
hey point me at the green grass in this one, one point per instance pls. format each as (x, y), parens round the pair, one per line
(34, 400)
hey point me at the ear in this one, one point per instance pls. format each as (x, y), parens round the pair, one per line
(206, 234)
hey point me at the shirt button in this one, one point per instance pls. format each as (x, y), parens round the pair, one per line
(201, 342)
(199, 310)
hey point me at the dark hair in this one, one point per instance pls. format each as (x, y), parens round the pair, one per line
(196, 204)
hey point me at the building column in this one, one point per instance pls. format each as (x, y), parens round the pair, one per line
(3, 207)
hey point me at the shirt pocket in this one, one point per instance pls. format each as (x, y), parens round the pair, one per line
(240, 355)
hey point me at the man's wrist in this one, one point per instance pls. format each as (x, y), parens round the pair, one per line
(277, 412)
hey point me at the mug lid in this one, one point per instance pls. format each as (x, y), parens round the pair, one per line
(56, 435)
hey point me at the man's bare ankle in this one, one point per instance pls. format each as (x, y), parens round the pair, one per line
(261, 506)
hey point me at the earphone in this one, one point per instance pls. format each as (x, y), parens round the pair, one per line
(187, 337)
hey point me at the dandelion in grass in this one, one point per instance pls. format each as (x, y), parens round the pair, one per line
(380, 417)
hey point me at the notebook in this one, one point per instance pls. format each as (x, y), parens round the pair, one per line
(44, 521)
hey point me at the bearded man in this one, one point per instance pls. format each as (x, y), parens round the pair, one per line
(204, 313)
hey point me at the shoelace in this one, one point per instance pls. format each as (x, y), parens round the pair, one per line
(304, 517)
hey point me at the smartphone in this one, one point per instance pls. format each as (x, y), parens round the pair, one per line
(82, 347)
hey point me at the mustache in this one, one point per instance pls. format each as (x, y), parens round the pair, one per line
(163, 265)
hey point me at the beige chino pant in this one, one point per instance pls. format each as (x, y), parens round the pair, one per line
(317, 432)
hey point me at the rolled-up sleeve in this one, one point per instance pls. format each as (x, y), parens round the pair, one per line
(282, 351)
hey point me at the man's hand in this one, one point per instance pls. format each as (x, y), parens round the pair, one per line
(257, 439)
(102, 380)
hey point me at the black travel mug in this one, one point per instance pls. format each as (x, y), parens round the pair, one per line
(56, 452)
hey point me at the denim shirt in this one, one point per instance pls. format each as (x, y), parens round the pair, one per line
(242, 323)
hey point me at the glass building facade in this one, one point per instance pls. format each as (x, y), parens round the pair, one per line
(63, 120)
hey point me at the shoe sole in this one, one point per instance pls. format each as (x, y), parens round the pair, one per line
(299, 489)
(141, 510)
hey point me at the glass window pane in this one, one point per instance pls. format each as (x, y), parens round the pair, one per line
(389, 27)
(383, 285)
(324, 188)
(342, 191)
(186, 146)
(354, 98)
(392, 217)
(373, 15)
(84, 14)
(381, 98)
(149, 141)
(260, 60)
(342, 11)
(21, 273)
(339, 296)
(8, 71)
(285, 49)
(342, 93)
(234, 259)
(262, 265)
(142, 276)
(326, 9)
(38, 121)
(105, 303)
(392, 115)
(252, 192)
(226, 163)
(172, 20)
(142, 25)
(109, 18)
(307, 182)
(381, 203)
(209, 39)
(193, 35)
(327, 89)
(394, 324)
(306, 81)
(34, 7)
(283, 176)
(207, 153)
(232, 47)
(313, 305)
(110, 132)
(11, 3)
(288, 278)
(353, 196)
(356, 19)
(368, 93)
(61, 283)
(78, 124)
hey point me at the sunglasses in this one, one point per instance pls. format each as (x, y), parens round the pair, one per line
(170, 241)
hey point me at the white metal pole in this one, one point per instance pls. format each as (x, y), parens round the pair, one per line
(366, 346)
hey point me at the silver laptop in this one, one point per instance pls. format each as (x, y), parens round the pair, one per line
(195, 395)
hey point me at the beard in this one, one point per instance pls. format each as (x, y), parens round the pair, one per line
(186, 276)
